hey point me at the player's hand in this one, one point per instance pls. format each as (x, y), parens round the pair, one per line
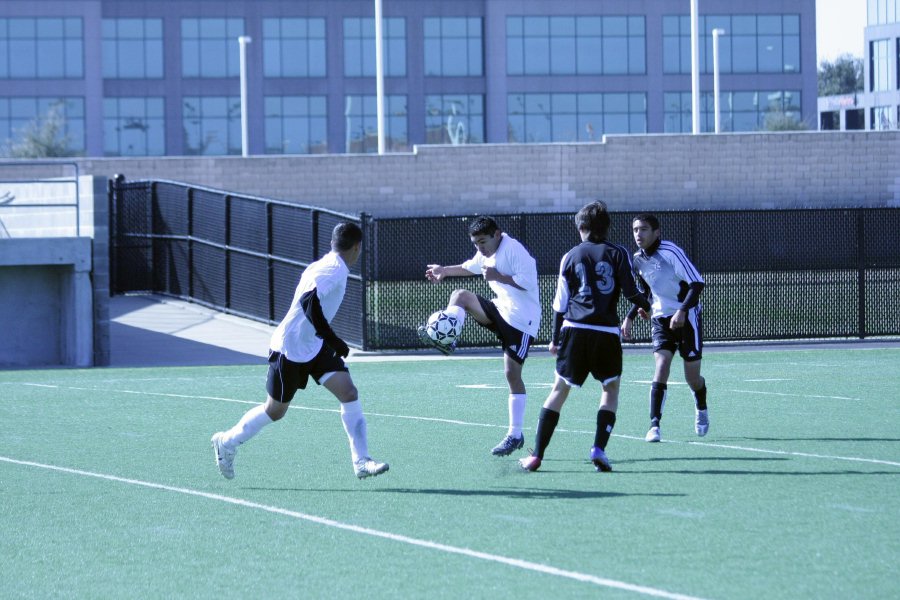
(339, 346)
(434, 273)
(490, 274)
(677, 319)
(626, 329)
(553, 348)
(643, 314)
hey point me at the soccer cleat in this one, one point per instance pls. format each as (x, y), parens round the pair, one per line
(530, 463)
(652, 435)
(598, 457)
(224, 456)
(701, 423)
(366, 467)
(426, 339)
(508, 445)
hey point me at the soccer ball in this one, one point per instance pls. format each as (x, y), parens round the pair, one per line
(443, 328)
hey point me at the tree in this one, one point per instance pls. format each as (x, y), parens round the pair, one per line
(843, 76)
(778, 120)
(44, 137)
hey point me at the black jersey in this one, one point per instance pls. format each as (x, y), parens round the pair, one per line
(591, 276)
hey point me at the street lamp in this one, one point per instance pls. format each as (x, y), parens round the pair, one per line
(245, 130)
(379, 76)
(716, 101)
(695, 69)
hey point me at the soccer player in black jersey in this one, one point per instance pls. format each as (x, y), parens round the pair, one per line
(586, 329)
(666, 274)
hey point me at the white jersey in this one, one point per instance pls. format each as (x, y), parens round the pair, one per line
(519, 308)
(668, 271)
(295, 337)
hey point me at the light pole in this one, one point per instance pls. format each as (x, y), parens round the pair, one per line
(379, 75)
(245, 130)
(695, 69)
(716, 101)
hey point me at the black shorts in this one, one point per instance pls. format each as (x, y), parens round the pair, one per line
(286, 376)
(583, 351)
(513, 341)
(687, 339)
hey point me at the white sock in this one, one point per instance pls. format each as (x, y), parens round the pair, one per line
(516, 414)
(355, 425)
(457, 311)
(249, 425)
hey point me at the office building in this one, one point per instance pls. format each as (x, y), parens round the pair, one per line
(877, 107)
(162, 77)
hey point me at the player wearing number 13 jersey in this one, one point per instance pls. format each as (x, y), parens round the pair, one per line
(585, 340)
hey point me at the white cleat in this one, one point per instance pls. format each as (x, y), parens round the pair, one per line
(366, 467)
(652, 435)
(224, 456)
(701, 423)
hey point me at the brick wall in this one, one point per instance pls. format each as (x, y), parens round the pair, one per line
(635, 172)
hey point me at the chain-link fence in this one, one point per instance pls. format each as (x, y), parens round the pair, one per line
(240, 254)
(770, 274)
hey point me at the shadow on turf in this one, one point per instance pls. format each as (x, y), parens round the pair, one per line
(528, 494)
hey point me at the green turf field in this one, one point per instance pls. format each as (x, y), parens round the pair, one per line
(109, 489)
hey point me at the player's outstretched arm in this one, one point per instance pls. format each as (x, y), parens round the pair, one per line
(436, 273)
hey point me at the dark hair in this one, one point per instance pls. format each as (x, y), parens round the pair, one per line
(345, 236)
(649, 219)
(594, 219)
(483, 226)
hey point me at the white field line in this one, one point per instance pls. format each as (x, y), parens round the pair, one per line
(475, 424)
(505, 560)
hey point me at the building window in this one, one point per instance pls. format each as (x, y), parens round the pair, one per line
(454, 119)
(879, 69)
(362, 124)
(21, 117)
(41, 48)
(575, 46)
(882, 12)
(294, 47)
(574, 117)
(883, 118)
(296, 125)
(740, 111)
(359, 47)
(133, 127)
(453, 46)
(752, 44)
(209, 47)
(212, 125)
(132, 48)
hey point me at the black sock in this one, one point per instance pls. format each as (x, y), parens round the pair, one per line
(700, 397)
(606, 419)
(657, 401)
(546, 424)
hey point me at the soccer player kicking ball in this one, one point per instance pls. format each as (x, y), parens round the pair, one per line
(586, 329)
(304, 345)
(514, 315)
(665, 272)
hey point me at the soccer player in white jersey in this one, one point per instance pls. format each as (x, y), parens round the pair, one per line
(586, 341)
(514, 315)
(304, 345)
(667, 274)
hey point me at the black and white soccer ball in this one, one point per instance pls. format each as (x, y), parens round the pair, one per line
(443, 328)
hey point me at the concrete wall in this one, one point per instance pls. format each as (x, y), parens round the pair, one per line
(54, 270)
(637, 172)
(46, 302)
